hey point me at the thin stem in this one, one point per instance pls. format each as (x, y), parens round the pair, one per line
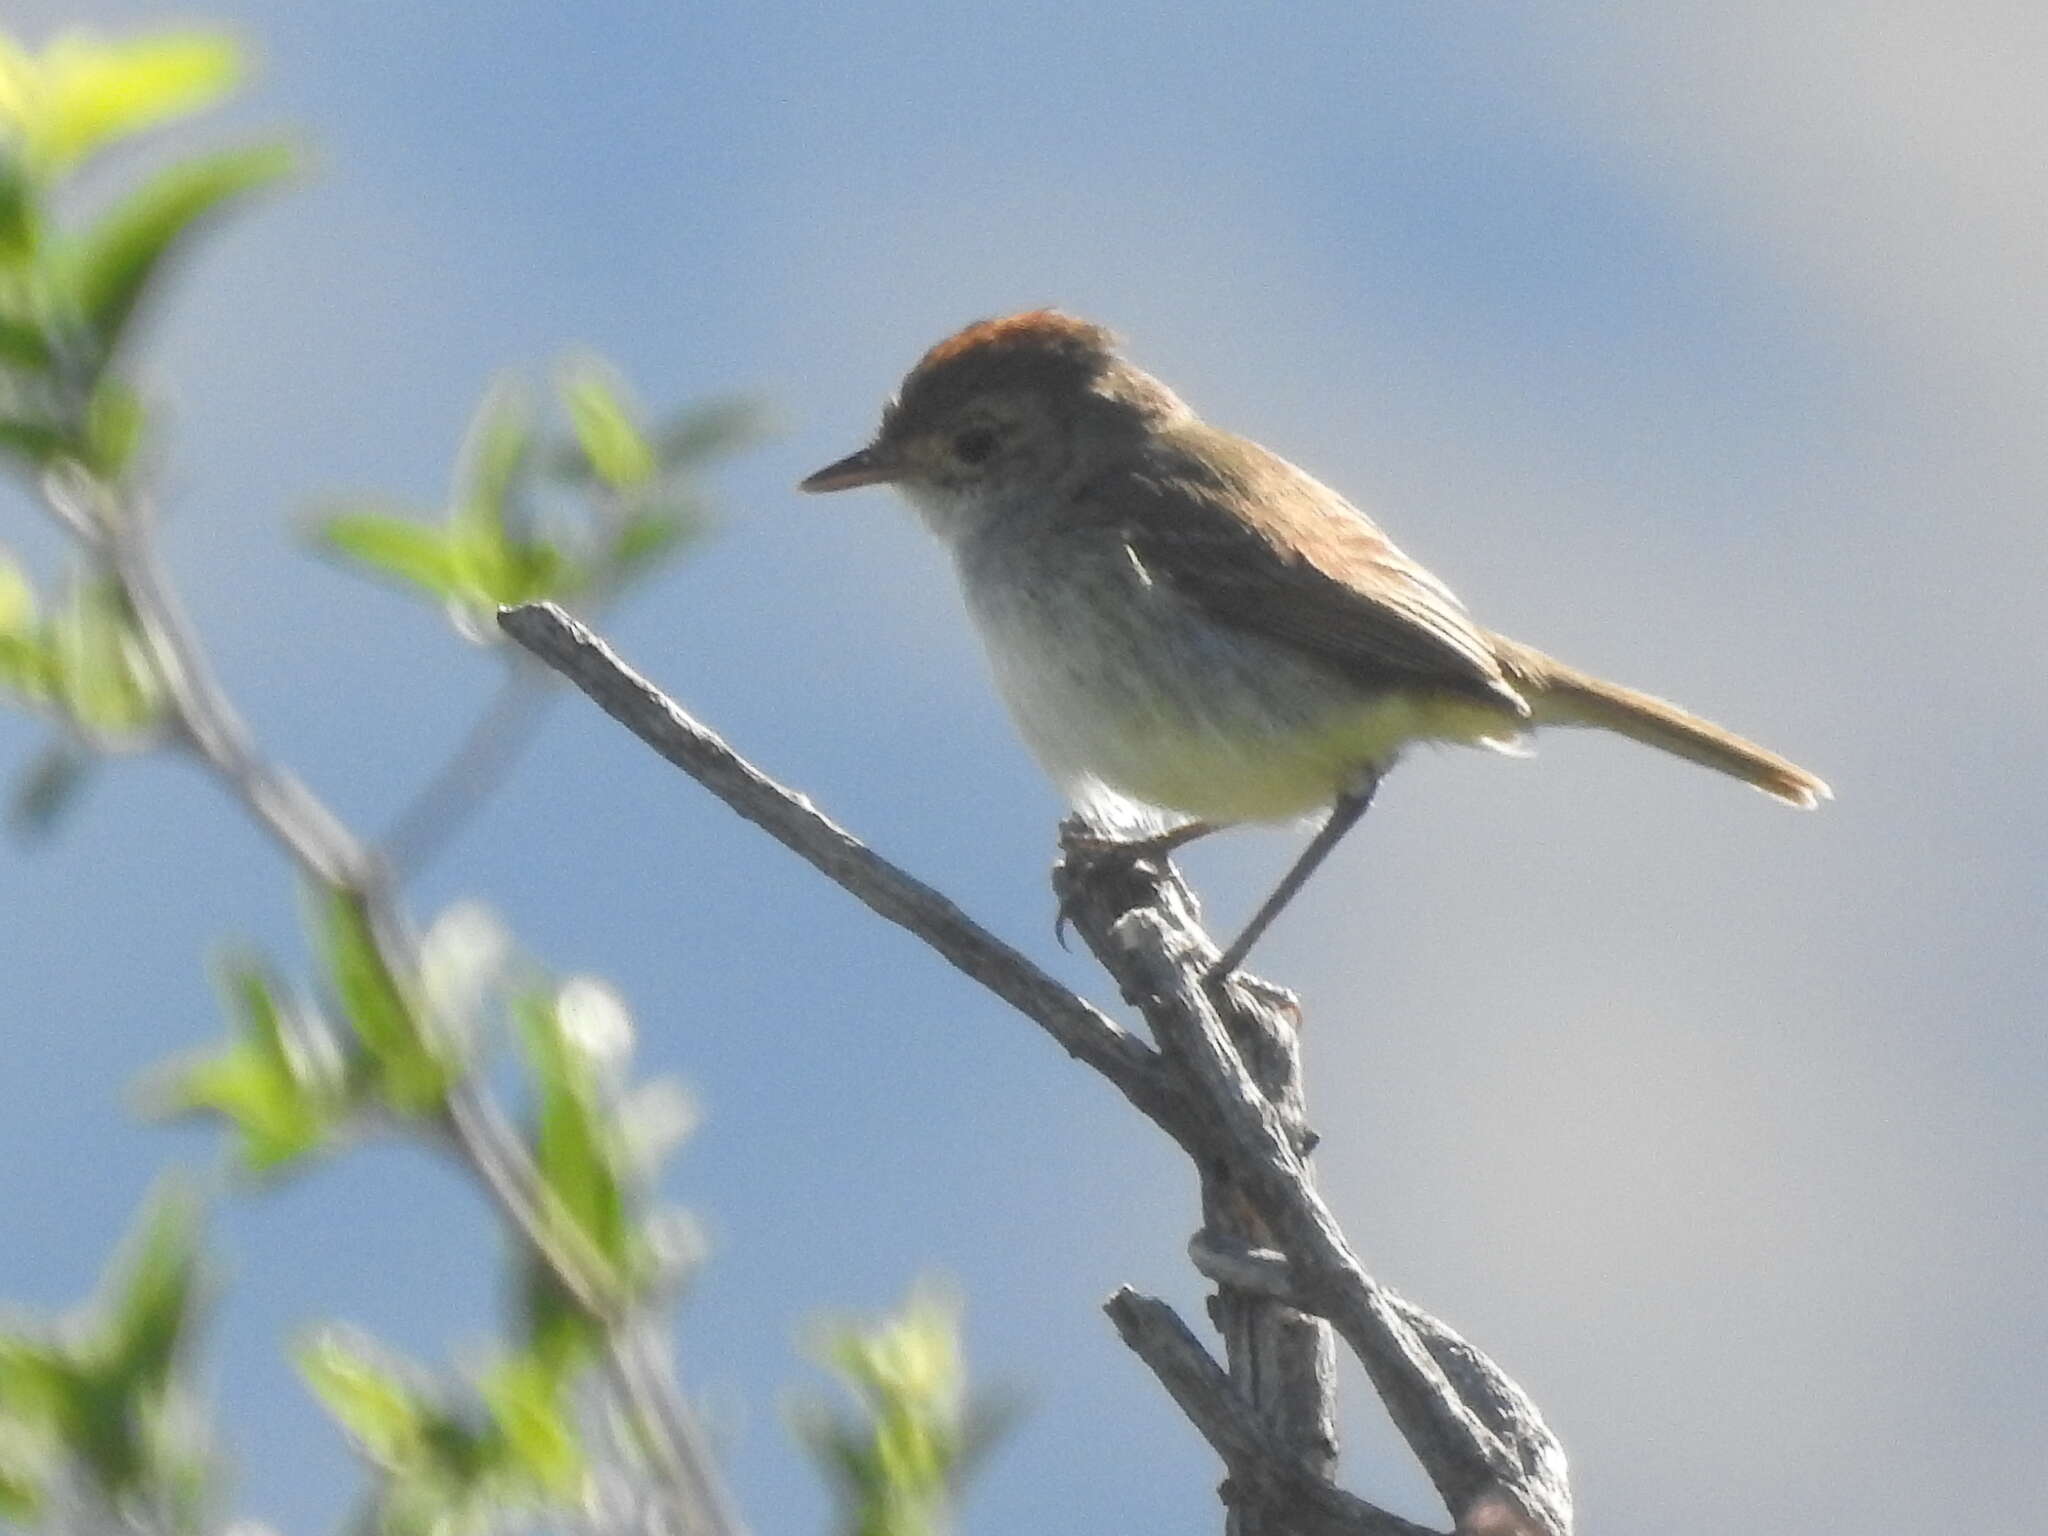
(669, 1430)
(488, 749)
(116, 523)
(118, 526)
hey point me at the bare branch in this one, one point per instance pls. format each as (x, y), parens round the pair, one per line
(1164, 967)
(1261, 1473)
(1224, 1081)
(1081, 1030)
(1498, 1401)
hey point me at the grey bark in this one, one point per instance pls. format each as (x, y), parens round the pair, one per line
(1222, 1078)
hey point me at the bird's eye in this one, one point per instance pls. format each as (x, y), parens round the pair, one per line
(975, 445)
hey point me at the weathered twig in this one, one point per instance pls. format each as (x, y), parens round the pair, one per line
(1224, 1081)
(1165, 967)
(1492, 1396)
(1082, 1030)
(1280, 1359)
(1263, 1476)
(1232, 1042)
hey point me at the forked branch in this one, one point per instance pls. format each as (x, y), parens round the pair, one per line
(1223, 1079)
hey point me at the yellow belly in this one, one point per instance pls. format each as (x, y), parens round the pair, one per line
(1215, 775)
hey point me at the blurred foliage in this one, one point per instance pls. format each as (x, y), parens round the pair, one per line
(84, 93)
(299, 1077)
(396, 1033)
(84, 661)
(899, 1458)
(502, 540)
(510, 1440)
(70, 292)
(281, 1084)
(449, 1460)
(95, 1418)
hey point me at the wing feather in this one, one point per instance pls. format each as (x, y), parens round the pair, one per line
(1306, 568)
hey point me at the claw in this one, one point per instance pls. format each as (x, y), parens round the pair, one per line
(1078, 839)
(1081, 843)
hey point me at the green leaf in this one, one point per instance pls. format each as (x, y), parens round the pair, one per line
(23, 1474)
(560, 1335)
(383, 1012)
(47, 788)
(602, 418)
(575, 1148)
(103, 673)
(473, 561)
(37, 1383)
(494, 571)
(19, 219)
(648, 540)
(114, 422)
(28, 666)
(528, 1406)
(442, 1475)
(269, 1117)
(17, 597)
(396, 547)
(92, 93)
(102, 1424)
(900, 1461)
(35, 1380)
(281, 1100)
(18, 86)
(155, 1296)
(111, 269)
(389, 1420)
(35, 443)
(98, 1400)
(23, 345)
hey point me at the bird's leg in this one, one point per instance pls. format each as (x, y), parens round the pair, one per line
(1344, 816)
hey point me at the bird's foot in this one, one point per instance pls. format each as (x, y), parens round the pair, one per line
(1086, 847)
(1086, 840)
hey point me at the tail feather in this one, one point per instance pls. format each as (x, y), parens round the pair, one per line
(1561, 695)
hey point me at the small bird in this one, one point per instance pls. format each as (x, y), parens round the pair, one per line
(1183, 622)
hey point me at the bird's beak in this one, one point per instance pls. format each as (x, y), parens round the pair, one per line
(867, 467)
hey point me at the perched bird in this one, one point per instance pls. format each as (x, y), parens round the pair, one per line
(1180, 618)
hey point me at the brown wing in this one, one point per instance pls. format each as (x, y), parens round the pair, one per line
(1306, 568)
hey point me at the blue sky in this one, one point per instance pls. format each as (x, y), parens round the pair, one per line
(1701, 345)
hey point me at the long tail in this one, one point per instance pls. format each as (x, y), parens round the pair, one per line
(1561, 695)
